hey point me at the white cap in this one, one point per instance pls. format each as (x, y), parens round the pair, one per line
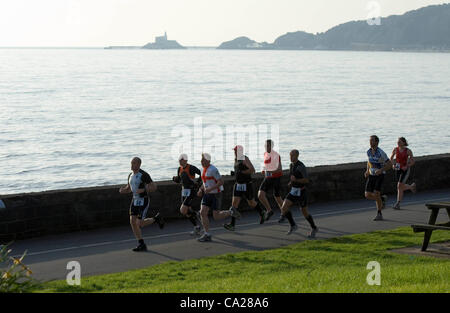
(183, 156)
(206, 156)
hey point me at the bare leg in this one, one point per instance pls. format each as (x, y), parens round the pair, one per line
(376, 196)
(236, 201)
(146, 222)
(134, 221)
(279, 202)
(285, 206)
(400, 189)
(220, 215)
(262, 197)
(205, 219)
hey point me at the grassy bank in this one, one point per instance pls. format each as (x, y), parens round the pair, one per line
(333, 265)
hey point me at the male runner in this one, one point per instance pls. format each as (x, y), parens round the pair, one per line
(272, 178)
(140, 184)
(404, 160)
(243, 187)
(377, 166)
(186, 176)
(298, 182)
(211, 193)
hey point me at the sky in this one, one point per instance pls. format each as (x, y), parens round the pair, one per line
(99, 23)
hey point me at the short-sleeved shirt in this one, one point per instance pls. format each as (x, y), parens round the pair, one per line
(210, 176)
(298, 170)
(376, 160)
(138, 181)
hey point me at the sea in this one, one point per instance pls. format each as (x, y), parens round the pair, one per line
(74, 118)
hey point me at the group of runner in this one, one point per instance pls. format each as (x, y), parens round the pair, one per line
(208, 185)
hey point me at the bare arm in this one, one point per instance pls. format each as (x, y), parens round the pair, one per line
(251, 169)
(392, 155)
(411, 161)
(125, 189)
(151, 187)
(219, 183)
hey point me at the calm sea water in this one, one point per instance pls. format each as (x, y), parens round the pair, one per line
(75, 117)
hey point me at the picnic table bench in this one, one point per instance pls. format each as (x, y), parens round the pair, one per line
(431, 226)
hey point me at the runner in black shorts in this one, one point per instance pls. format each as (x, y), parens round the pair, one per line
(272, 178)
(211, 192)
(377, 166)
(243, 187)
(140, 184)
(186, 176)
(403, 159)
(298, 194)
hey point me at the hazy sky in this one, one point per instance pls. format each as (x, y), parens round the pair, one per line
(190, 22)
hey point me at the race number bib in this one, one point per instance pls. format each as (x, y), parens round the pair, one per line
(268, 174)
(296, 192)
(138, 202)
(373, 170)
(397, 166)
(241, 187)
(186, 192)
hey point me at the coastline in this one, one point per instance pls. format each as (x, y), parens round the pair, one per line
(29, 215)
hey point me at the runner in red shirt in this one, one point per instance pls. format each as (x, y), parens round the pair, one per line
(402, 159)
(272, 178)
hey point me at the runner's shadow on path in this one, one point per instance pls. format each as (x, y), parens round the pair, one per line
(150, 251)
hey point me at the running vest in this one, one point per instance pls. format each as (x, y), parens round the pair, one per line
(239, 167)
(271, 162)
(187, 178)
(401, 157)
(210, 176)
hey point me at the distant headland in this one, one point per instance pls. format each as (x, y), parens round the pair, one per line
(426, 29)
(161, 42)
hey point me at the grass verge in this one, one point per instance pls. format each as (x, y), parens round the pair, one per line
(332, 265)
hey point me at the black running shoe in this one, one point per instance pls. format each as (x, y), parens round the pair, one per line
(159, 220)
(379, 217)
(141, 247)
(268, 215)
(262, 218)
(292, 229)
(313, 233)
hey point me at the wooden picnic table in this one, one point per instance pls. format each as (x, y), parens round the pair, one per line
(428, 228)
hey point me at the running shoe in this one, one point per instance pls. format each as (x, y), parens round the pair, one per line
(379, 217)
(262, 217)
(282, 219)
(196, 232)
(228, 227)
(313, 233)
(292, 229)
(140, 248)
(268, 215)
(204, 238)
(396, 206)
